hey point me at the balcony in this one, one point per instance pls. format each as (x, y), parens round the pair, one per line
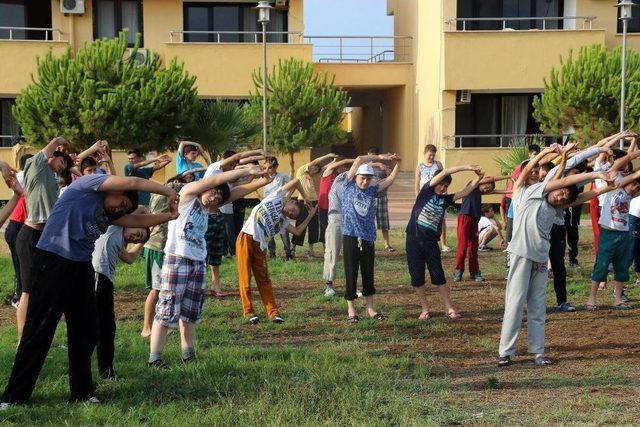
(20, 47)
(510, 59)
(491, 142)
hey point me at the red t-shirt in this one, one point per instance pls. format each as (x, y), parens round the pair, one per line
(514, 178)
(323, 195)
(19, 213)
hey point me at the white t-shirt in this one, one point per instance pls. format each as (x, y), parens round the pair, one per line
(185, 236)
(484, 223)
(266, 219)
(614, 210)
(601, 167)
(634, 207)
(278, 181)
(213, 169)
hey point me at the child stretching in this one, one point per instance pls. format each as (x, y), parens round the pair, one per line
(423, 230)
(424, 172)
(488, 229)
(181, 298)
(359, 231)
(537, 207)
(615, 245)
(468, 219)
(265, 221)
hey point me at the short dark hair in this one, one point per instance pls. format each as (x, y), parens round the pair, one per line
(573, 193)
(132, 195)
(87, 162)
(534, 148)
(373, 150)
(524, 164)
(548, 166)
(135, 151)
(23, 160)
(66, 174)
(189, 148)
(618, 153)
(486, 208)
(446, 180)
(271, 161)
(430, 148)
(228, 154)
(580, 167)
(148, 236)
(225, 190)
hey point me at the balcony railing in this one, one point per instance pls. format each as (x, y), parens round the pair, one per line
(8, 140)
(176, 36)
(361, 49)
(500, 140)
(537, 22)
(25, 33)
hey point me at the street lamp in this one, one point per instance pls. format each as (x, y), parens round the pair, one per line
(625, 7)
(264, 9)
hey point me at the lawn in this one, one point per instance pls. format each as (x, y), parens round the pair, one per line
(318, 369)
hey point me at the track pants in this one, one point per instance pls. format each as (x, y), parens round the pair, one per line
(332, 248)
(358, 255)
(467, 243)
(572, 225)
(105, 348)
(557, 238)
(251, 259)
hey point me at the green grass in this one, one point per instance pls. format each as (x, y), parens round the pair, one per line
(316, 369)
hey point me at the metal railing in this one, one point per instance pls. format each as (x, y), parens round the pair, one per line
(176, 36)
(460, 24)
(9, 140)
(20, 33)
(361, 49)
(499, 140)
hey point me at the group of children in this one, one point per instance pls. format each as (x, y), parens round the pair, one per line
(72, 220)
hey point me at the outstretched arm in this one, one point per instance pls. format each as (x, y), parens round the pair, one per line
(621, 163)
(470, 187)
(328, 170)
(298, 230)
(53, 144)
(437, 179)
(198, 187)
(365, 159)
(161, 162)
(322, 159)
(576, 179)
(386, 183)
(129, 255)
(240, 191)
(522, 178)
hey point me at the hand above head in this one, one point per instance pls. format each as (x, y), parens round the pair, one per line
(174, 201)
(472, 168)
(8, 173)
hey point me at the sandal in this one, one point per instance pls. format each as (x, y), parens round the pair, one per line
(389, 249)
(453, 315)
(542, 360)
(622, 306)
(602, 285)
(353, 319)
(216, 294)
(379, 316)
(504, 361)
(591, 307)
(425, 315)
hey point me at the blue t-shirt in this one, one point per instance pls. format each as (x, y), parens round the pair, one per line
(77, 220)
(146, 173)
(359, 211)
(428, 212)
(471, 205)
(182, 165)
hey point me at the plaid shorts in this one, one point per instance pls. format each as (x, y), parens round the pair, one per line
(215, 237)
(182, 292)
(382, 212)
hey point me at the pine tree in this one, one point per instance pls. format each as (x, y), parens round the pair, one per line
(103, 92)
(585, 94)
(304, 108)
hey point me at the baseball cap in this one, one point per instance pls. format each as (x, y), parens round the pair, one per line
(365, 170)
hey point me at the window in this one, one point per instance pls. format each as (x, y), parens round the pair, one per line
(112, 16)
(9, 129)
(495, 114)
(634, 23)
(23, 13)
(231, 20)
(510, 8)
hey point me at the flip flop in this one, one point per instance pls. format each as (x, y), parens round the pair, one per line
(389, 249)
(379, 316)
(622, 306)
(353, 319)
(425, 315)
(591, 307)
(453, 315)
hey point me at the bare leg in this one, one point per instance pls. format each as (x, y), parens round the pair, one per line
(443, 236)
(21, 313)
(351, 308)
(149, 311)
(593, 291)
(187, 334)
(158, 337)
(445, 294)
(215, 279)
(618, 287)
(369, 302)
(422, 295)
(385, 237)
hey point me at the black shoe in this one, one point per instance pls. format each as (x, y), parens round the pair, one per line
(189, 359)
(574, 264)
(504, 361)
(157, 364)
(108, 374)
(278, 319)
(290, 256)
(253, 319)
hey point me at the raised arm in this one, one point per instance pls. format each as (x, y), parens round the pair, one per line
(198, 187)
(53, 144)
(97, 147)
(533, 163)
(470, 187)
(576, 179)
(621, 163)
(365, 159)
(298, 230)
(322, 159)
(147, 220)
(386, 183)
(629, 178)
(240, 191)
(161, 162)
(328, 169)
(437, 179)
(585, 196)
(129, 255)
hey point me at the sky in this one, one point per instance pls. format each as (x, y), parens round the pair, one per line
(347, 17)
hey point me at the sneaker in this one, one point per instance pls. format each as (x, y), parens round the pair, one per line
(189, 359)
(108, 374)
(446, 248)
(575, 264)
(483, 248)
(253, 319)
(278, 319)
(359, 294)
(457, 276)
(4, 406)
(157, 364)
(504, 361)
(477, 277)
(290, 256)
(92, 400)
(567, 307)
(542, 360)
(329, 291)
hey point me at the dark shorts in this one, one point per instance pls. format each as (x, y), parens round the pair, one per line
(615, 248)
(215, 238)
(421, 253)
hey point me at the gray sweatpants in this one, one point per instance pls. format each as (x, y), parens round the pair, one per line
(332, 247)
(527, 282)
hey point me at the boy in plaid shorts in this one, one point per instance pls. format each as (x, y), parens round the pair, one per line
(382, 201)
(183, 279)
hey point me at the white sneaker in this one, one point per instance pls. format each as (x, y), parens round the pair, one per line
(92, 400)
(446, 249)
(329, 291)
(359, 294)
(4, 406)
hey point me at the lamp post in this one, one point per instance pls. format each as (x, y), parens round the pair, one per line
(625, 7)
(264, 9)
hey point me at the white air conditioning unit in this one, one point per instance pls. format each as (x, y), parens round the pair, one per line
(464, 97)
(141, 55)
(75, 7)
(281, 3)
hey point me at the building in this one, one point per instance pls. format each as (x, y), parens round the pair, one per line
(460, 74)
